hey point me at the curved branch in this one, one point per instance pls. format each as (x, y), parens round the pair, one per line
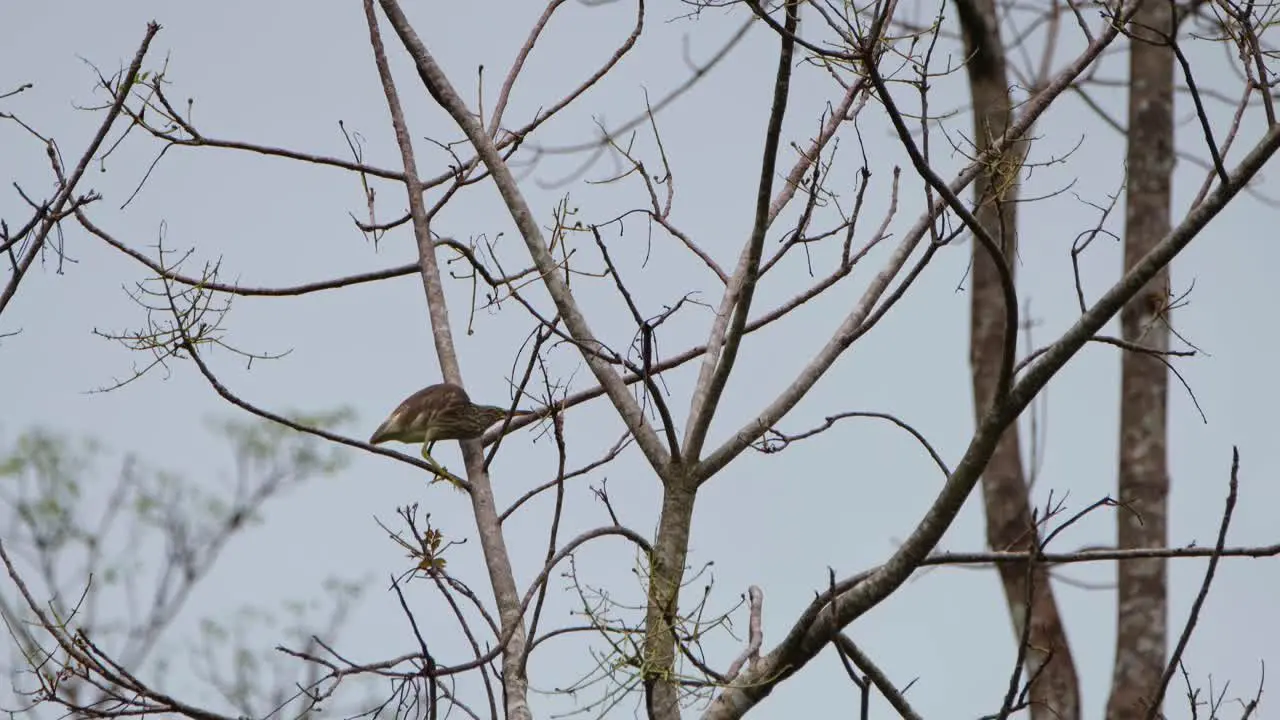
(225, 393)
(958, 207)
(698, 73)
(830, 421)
(241, 290)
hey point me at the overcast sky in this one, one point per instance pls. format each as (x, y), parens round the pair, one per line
(285, 73)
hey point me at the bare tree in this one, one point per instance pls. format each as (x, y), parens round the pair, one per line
(875, 65)
(121, 557)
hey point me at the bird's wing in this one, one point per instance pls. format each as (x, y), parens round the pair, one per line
(446, 397)
(419, 409)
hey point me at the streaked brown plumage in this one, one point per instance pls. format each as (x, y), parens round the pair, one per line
(438, 412)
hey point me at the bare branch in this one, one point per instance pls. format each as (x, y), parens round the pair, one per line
(1233, 488)
(68, 186)
(873, 672)
(755, 636)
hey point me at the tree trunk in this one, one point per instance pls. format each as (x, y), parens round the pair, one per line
(1142, 604)
(1055, 694)
(666, 572)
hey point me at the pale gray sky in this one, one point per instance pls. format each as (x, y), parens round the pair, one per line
(284, 73)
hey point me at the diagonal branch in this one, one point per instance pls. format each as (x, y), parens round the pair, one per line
(896, 697)
(54, 213)
(1233, 488)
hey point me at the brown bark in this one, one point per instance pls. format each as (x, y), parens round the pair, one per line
(1142, 603)
(1055, 693)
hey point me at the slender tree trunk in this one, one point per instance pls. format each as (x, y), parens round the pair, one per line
(1055, 694)
(1142, 605)
(666, 571)
(515, 682)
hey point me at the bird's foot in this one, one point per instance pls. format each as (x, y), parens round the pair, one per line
(441, 473)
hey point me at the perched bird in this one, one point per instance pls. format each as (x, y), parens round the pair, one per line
(438, 412)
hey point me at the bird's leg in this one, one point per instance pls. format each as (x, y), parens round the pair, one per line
(439, 470)
(426, 455)
(426, 450)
